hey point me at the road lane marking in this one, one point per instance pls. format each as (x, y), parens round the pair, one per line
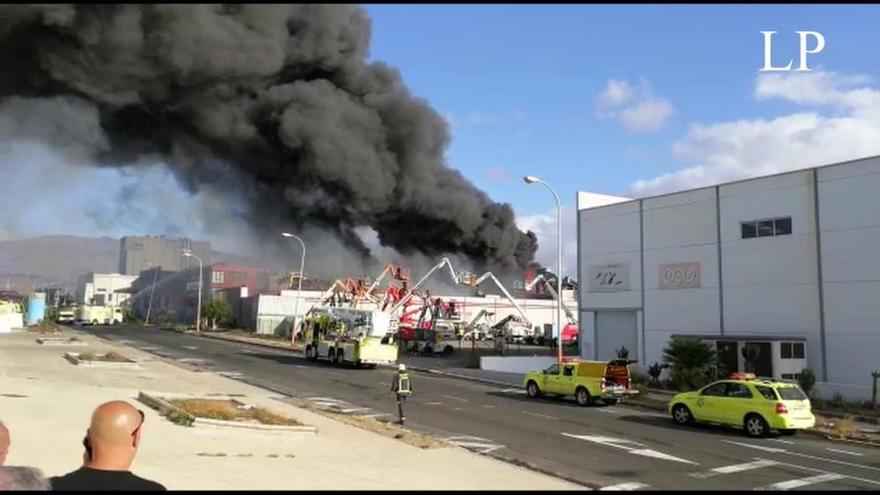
(354, 409)
(457, 409)
(385, 383)
(735, 468)
(660, 455)
(190, 347)
(488, 405)
(477, 444)
(607, 411)
(539, 415)
(787, 442)
(230, 374)
(456, 398)
(434, 403)
(637, 450)
(625, 486)
(844, 451)
(759, 447)
(788, 452)
(514, 391)
(791, 484)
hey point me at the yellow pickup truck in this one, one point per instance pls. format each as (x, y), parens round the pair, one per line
(587, 381)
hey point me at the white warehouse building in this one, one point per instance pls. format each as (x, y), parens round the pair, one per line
(787, 264)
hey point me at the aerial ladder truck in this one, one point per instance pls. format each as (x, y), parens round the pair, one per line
(570, 331)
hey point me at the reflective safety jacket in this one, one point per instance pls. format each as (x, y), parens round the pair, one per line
(401, 384)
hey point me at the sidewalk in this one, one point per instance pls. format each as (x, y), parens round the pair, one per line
(46, 402)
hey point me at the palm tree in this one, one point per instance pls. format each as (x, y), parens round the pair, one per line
(689, 361)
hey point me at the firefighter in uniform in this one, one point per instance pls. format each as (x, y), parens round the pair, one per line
(402, 386)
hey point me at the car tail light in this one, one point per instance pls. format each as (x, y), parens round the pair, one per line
(781, 409)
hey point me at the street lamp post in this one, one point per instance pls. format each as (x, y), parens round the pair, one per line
(302, 263)
(187, 252)
(529, 179)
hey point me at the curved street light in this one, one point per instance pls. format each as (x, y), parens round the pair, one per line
(187, 252)
(302, 263)
(530, 179)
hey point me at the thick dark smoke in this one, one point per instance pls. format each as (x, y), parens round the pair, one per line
(276, 103)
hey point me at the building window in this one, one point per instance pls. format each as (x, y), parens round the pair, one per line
(766, 228)
(217, 277)
(782, 226)
(791, 350)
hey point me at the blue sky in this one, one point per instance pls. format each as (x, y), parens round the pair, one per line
(519, 82)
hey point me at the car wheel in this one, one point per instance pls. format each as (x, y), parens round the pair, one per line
(609, 402)
(755, 426)
(331, 356)
(533, 390)
(340, 354)
(309, 352)
(682, 415)
(583, 397)
(787, 433)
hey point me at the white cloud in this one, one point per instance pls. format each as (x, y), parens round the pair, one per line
(544, 226)
(636, 107)
(748, 148)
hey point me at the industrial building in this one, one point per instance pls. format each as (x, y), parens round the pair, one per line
(103, 289)
(785, 264)
(137, 254)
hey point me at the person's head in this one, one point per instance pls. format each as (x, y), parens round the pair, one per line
(114, 435)
(401, 367)
(4, 442)
(22, 478)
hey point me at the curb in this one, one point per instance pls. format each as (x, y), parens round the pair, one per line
(164, 407)
(74, 359)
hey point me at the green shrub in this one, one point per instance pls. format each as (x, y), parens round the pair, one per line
(806, 380)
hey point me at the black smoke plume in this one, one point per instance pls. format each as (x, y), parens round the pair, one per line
(274, 102)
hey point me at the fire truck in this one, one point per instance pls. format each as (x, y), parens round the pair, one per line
(349, 336)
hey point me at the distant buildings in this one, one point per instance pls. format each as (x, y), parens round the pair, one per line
(103, 289)
(140, 253)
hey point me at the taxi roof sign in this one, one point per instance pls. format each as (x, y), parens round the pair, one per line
(743, 376)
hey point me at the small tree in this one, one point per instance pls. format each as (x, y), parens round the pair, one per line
(690, 361)
(807, 379)
(216, 310)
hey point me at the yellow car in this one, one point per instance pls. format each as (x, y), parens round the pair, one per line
(587, 381)
(755, 405)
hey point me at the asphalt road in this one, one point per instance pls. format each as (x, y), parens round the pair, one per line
(616, 447)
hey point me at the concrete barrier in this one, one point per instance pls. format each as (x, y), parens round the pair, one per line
(515, 364)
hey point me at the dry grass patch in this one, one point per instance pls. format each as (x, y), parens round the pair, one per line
(230, 410)
(113, 357)
(45, 327)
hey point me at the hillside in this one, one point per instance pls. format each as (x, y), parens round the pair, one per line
(53, 260)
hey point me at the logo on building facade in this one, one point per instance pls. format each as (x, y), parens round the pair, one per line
(609, 278)
(680, 276)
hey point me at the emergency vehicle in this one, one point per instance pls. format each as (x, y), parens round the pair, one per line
(349, 336)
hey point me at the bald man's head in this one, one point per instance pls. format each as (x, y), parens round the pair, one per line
(4, 442)
(114, 434)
